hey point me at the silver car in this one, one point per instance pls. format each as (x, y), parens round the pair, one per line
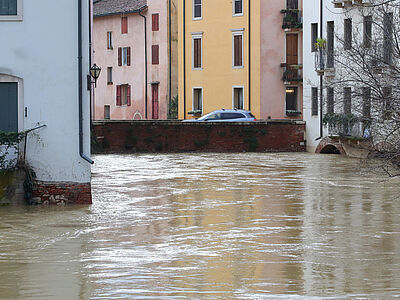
(226, 115)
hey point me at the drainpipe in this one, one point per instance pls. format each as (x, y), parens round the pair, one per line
(170, 56)
(145, 62)
(321, 81)
(249, 54)
(80, 84)
(184, 59)
(91, 96)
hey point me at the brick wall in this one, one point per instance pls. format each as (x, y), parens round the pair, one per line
(175, 136)
(62, 193)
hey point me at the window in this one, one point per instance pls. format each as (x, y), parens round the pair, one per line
(154, 93)
(366, 95)
(330, 109)
(9, 106)
(314, 101)
(387, 103)
(198, 99)
(155, 25)
(109, 76)
(109, 40)
(124, 56)
(8, 7)
(11, 10)
(330, 44)
(197, 9)
(106, 112)
(238, 7)
(367, 33)
(232, 116)
(291, 99)
(123, 95)
(292, 4)
(387, 37)
(124, 25)
(238, 49)
(314, 36)
(347, 101)
(347, 34)
(155, 54)
(238, 97)
(197, 51)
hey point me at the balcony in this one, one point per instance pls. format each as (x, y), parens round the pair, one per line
(349, 3)
(292, 73)
(292, 20)
(344, 125)
(324, 63)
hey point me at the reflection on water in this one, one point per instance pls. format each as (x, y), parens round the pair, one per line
(210, 226)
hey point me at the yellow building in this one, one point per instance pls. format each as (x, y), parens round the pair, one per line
(215, 69)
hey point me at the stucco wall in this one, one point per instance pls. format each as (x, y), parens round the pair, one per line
(41, 52)
(134, 74)
(273, 53)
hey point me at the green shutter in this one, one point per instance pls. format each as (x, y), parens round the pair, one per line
(8, 106)
(8, 7)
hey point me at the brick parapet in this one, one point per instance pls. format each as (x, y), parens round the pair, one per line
(176, 136)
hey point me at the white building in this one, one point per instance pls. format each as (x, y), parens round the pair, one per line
(316, 11)
(44, 63)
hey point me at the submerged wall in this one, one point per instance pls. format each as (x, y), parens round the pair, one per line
(176, 136)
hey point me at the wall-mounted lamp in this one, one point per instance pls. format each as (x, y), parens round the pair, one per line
(95, 71)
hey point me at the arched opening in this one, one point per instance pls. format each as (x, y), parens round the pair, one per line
(330, 149)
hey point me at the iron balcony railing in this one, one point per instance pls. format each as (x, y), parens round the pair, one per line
(292, 73)
(292, 19)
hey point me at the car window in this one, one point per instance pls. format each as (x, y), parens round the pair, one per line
(251, 115)
(226, 116)
(214, 117)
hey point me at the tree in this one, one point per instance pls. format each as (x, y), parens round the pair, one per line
(365, 86)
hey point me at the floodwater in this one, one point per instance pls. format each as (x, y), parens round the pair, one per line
(211, 226)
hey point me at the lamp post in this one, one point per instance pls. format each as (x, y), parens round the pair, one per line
(95, 71)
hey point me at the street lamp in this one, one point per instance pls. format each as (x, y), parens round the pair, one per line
(95, 73)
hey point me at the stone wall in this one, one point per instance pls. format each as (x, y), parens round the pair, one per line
(176, 136)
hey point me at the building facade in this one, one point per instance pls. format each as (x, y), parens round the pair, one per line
(43, 67)
(135, 43)
(240, 54)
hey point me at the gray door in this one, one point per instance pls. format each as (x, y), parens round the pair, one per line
(8, 106)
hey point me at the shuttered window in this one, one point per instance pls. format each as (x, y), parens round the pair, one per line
(197, 47)
(238, 50)
(155, 22)
(123, 95)
(154, 95)
(366, 95)
(330, 44)
(347, 100)
(367, 34)
(330, 100)
(124, 25)
(348, 28)
(8, 7)
(155, 49)
(124, 56)
(314, 101)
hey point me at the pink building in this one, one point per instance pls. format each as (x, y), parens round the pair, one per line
(281, 59)
(132, 45)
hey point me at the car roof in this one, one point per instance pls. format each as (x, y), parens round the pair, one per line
(230, 110)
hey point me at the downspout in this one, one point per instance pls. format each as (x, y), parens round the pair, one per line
(184, 59)
(145, 62)
(249, 55)
(91, 96)
(80, 84)
(321, 81)
(170, 56)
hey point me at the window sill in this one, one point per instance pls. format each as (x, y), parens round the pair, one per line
(109, 83)
(6, 18)
(238, 67)
(238, 15)
(198, 19)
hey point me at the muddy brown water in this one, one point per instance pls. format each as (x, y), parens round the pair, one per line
(211, 226)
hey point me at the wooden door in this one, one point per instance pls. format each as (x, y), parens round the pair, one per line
(154, 92)
(292, 54)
